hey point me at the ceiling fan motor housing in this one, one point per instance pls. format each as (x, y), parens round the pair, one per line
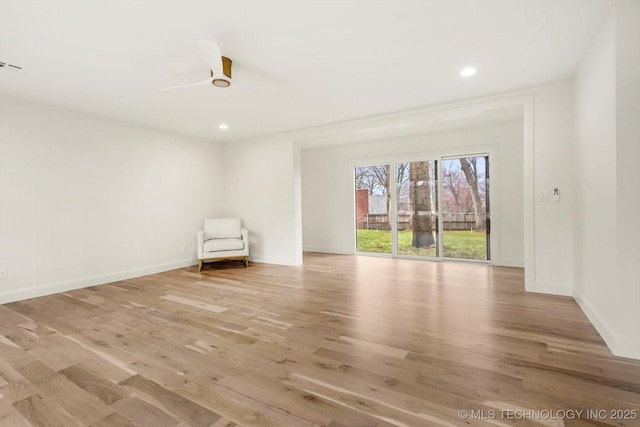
(221, 81)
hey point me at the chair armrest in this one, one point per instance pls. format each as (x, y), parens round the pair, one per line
(245, 238)
(200, 244)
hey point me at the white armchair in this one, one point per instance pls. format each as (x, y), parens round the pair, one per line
(222, 239)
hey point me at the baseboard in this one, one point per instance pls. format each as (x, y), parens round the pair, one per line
(627, 348)
(272, 260)
(551, 288)
(326, 250)
(618, 345)
(69, 285)
(596, 320)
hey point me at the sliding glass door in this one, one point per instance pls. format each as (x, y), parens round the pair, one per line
(398, 208)
(417, 208)
(373, 209)
(465, 201)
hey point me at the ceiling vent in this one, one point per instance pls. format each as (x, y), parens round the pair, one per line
(6, 66)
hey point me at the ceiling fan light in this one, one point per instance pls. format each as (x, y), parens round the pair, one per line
(221, 83)
(223, 80)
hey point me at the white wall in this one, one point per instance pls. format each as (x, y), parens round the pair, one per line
(627, 173)
(607, 232)
(86, 200)
(552, 158)
(328, 194)
(328, 200)
(595, 174)
(259, 188)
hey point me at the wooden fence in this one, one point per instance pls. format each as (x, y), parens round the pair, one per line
(451, 221)
(460, 221)
(381, 222)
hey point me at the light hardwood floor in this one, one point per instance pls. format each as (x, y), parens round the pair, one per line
(340, 341)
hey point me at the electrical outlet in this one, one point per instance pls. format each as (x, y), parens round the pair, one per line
(3, 273)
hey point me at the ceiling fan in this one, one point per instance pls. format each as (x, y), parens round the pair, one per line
(219, 65)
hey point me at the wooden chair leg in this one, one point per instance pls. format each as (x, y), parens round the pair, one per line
(199, 265)
(246, 262)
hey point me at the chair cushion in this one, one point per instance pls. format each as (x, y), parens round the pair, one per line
(222, 228)
(216, 245)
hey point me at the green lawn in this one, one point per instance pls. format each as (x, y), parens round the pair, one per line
(457, 244)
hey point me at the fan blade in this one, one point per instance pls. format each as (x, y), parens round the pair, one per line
(190, 84)
(210, 52)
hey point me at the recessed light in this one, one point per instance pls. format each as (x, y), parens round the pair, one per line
(468, 72)
(223, 126)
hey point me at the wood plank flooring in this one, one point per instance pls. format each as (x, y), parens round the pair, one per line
(340, 341)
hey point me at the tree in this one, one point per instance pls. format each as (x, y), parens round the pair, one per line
(452, 179)
(383, 178)
(366, 178)
(402, 176)
(377, 179)
(469, 167)
(421, 198)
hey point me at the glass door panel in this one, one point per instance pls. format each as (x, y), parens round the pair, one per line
(417, 208)
(373, 213)
(465, 208)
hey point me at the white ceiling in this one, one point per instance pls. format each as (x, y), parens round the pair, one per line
(303, 63)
